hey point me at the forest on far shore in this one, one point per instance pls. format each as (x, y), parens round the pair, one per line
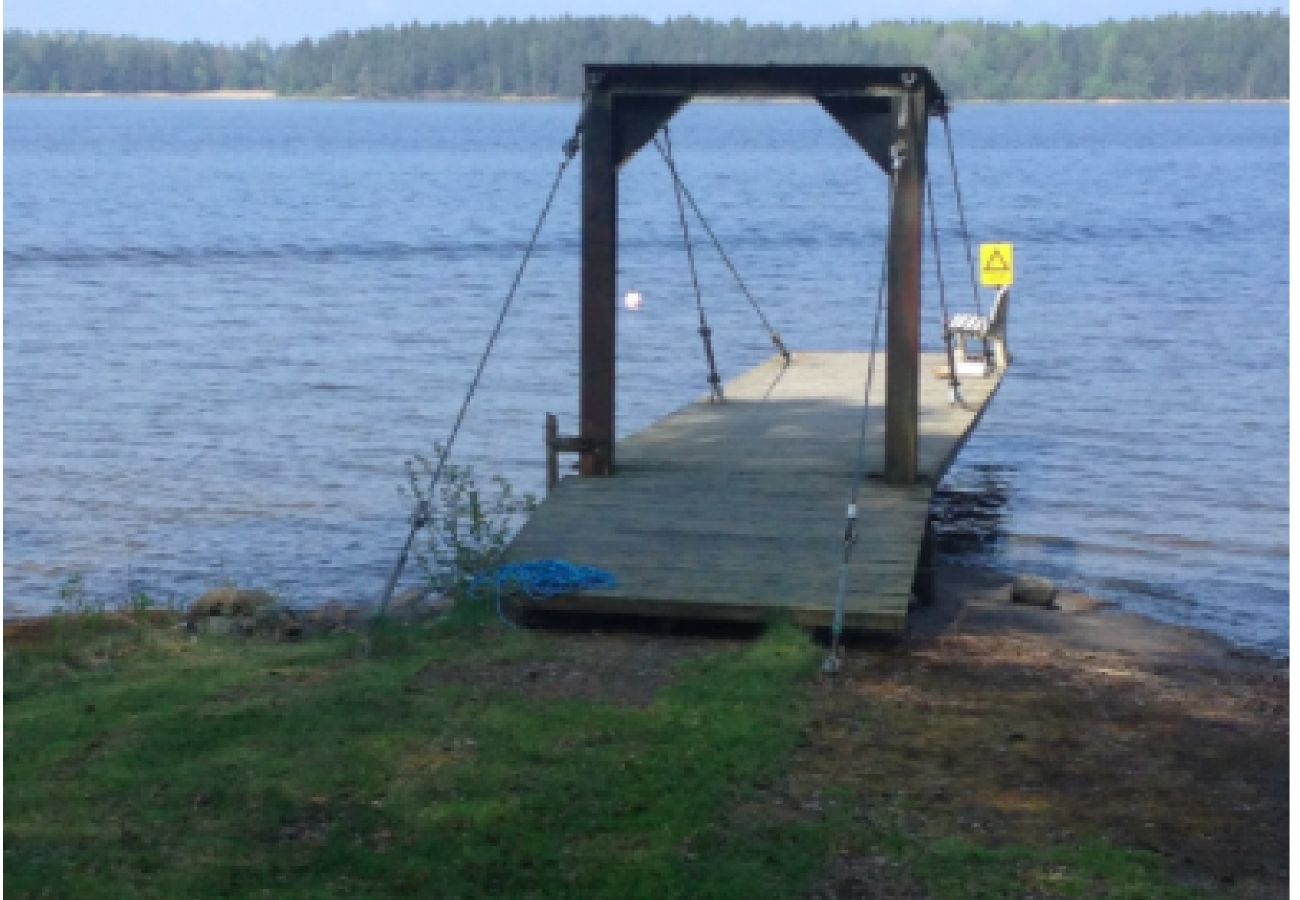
(1208, 56)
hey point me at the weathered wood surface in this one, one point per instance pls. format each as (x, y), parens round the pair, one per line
(736, 510)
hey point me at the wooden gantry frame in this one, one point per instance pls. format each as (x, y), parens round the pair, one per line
(884, 109)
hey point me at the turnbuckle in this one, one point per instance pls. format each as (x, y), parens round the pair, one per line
(851, 526)
(780, 347)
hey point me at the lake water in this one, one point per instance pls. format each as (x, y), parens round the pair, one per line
(228, 324)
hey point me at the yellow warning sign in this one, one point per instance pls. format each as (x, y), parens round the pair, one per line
(997, 264)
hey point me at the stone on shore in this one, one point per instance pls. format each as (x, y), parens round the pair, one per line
(330, 617)
(1033, 590)
(1074, 602)
(229, 601)
(414, 602)
(277, 622)
(216, 625)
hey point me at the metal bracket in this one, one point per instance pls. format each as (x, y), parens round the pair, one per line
(898, 153)
(556, 444)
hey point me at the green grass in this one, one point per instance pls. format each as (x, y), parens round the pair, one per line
(149, 766)
(954, 868)
(141, 763)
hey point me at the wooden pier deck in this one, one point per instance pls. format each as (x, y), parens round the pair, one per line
(733, 511)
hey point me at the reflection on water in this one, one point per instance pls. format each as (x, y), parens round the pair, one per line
(969, 516)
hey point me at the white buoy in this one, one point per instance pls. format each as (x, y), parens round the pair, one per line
(632, 300)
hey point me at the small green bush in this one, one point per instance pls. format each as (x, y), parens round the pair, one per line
(468, 526)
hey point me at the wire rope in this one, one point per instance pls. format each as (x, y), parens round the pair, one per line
(954, 386)
(860, 465)
(961, 213)
(773, 334)
(706, 333)
(422, 513)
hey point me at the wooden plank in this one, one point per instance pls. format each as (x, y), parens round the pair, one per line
(735, 511)
(891, 620)
(770, 585)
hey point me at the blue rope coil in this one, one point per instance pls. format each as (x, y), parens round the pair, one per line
(542, 580)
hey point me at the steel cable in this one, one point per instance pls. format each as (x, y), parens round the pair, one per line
(706, 333)
(422, 512)
(961, 213)
(722, 253)
(953, 384)
(860, 466)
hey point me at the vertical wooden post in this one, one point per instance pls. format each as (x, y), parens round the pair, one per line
(904, 321)
(552, 453)
(598, 301)
(923, 581)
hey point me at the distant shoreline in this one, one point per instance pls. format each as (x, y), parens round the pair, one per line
(152, 95)
(455, 97)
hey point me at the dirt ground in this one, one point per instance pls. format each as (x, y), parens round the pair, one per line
(622, 667)
(1035, 727)
(1005, 725)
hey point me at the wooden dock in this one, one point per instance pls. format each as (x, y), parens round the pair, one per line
(735, 511)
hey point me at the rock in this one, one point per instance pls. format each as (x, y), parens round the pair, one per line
(278, 623)
(1074, 602)
(268, 620)
(330, 617)
(229, 601)
(412, 596)
(217, 625)
(1033, 590)
(271, 616)
(414, 601)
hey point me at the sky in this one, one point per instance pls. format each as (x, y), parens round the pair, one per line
(283, 21)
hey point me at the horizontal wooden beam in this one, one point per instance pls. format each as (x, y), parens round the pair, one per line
(773, 80)
(891, 621)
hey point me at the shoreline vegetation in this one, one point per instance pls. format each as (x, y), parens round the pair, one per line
(1002, 751)
(22, 624)
(1208, 56)
(266, 95)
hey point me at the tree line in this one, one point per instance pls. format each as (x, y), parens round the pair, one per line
(1206, 56)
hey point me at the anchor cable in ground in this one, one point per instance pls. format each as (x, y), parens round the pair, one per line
(860, 465)
(422, 513)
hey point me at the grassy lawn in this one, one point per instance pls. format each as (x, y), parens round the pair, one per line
(457, 759)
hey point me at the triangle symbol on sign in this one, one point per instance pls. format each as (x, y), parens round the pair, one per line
(996, 262)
